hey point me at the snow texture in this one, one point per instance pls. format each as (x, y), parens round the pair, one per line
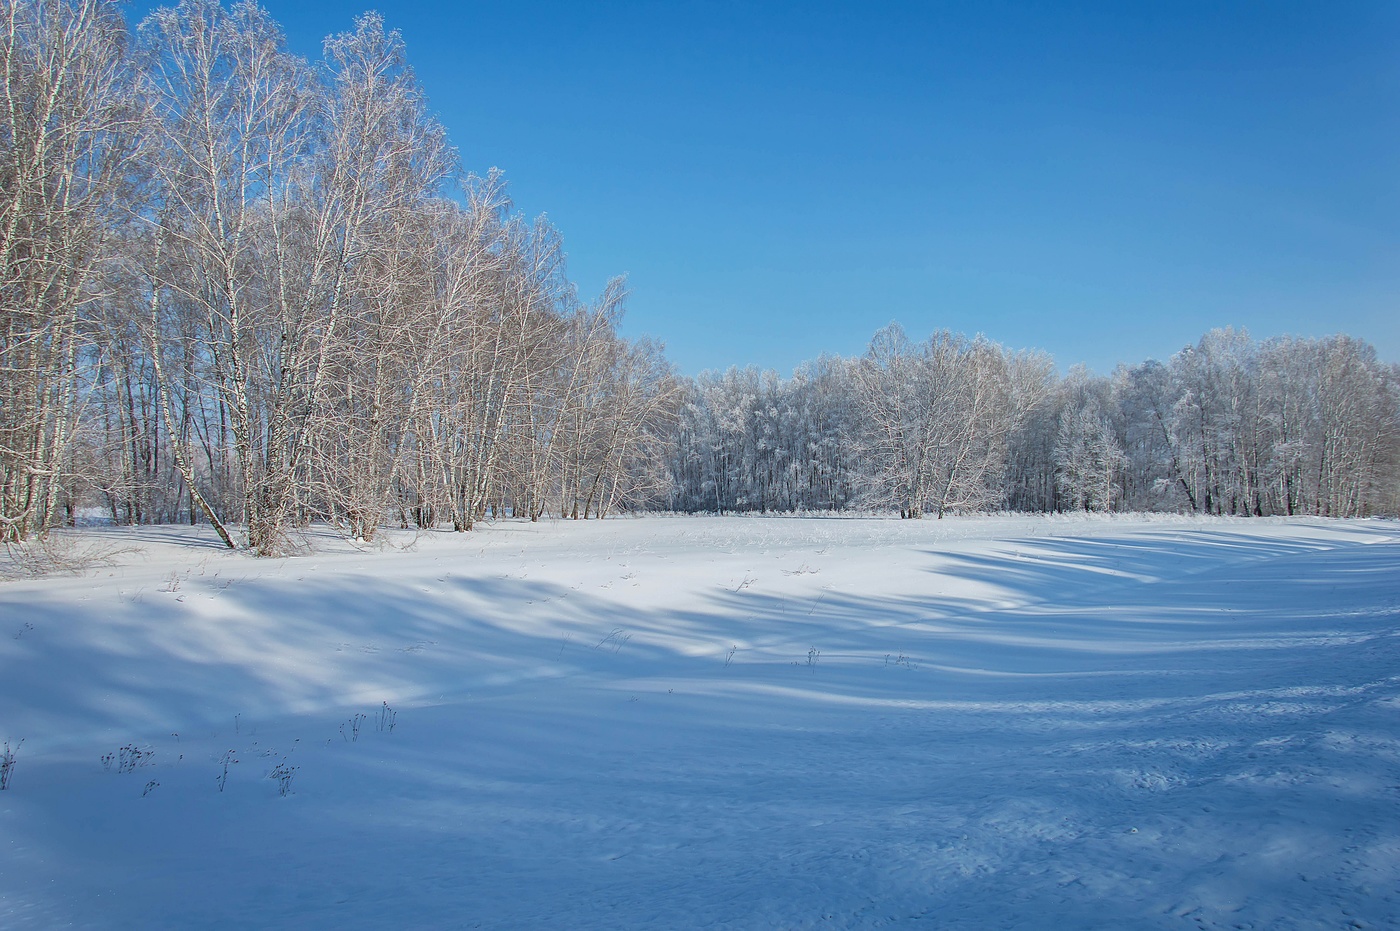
(992, 722)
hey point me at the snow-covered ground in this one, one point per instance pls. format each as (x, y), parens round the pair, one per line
(712, 723)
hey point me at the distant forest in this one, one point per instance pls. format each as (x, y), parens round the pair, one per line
(951, 424)
(244, 289)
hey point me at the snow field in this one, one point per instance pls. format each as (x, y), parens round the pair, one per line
(713, 722)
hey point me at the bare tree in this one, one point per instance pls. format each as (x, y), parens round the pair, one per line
(233, 117)
(382, 162)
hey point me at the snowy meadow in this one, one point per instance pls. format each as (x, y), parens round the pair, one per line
(704, 722)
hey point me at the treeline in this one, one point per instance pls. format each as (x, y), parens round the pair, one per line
(1228, 426)
(242, 288)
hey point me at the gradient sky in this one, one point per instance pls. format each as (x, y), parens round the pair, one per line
(1103, 181)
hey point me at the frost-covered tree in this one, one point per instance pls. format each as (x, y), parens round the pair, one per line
(938, 417)
(1089, 459)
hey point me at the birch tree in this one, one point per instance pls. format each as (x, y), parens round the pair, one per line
(381, 161)
(234, 117)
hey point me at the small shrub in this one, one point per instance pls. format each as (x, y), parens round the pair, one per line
(7, 763)
(354, 725)
(55, 554)
(283, 773)
(222, 778)
(127, 758)
(616, 639)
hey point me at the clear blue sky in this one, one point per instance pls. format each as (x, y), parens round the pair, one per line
(1104, 181)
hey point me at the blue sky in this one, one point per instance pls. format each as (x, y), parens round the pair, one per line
(1101, 181)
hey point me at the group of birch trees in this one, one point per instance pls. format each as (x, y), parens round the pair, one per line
(240, 288)
(1227, 426)
(245, 289)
